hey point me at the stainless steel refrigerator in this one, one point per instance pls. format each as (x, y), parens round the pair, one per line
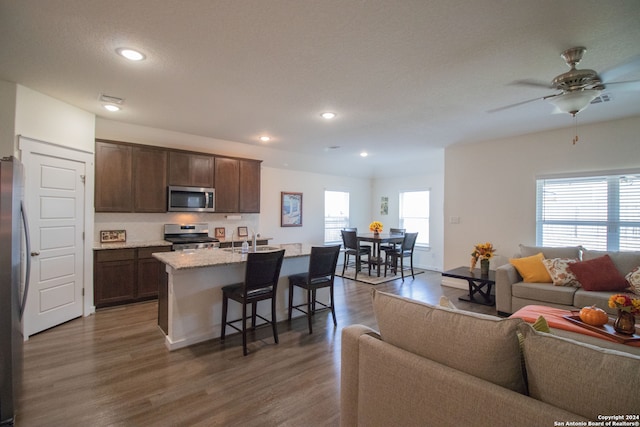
(14, 240)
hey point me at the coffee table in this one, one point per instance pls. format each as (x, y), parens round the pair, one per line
(479, 284)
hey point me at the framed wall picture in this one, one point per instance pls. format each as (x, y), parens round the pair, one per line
(291, 209)
(113, 236)
(243, 231)
(219, 232)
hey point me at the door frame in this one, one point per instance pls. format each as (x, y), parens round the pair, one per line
(29, 147)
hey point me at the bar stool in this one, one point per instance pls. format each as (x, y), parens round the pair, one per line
(321, 274)
(260, 283)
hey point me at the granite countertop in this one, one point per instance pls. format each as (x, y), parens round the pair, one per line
(181, 260)
(249, 239)
(127, 245)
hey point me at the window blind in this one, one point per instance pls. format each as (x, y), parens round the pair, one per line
(597, 212)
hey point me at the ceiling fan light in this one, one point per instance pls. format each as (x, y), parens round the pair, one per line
(574, 102)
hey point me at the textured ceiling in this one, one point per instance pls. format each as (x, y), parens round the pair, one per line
(404, 76)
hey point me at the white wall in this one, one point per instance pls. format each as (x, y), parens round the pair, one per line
(46, 119)
(490, 186)
(7, 118)
(431, 178)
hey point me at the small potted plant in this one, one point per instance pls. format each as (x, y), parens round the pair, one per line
(376, 227)
(483, 252)
(627, 308)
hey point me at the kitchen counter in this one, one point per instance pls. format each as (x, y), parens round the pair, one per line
(133, 244)
(190, 305)
(180, 260)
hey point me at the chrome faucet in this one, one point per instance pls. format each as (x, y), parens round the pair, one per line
(233, 232)
(253, 244)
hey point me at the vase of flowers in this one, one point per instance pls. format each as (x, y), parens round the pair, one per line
(483, 252)
(376, 227)
(627, 307)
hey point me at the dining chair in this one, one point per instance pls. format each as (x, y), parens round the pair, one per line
(352, 247)
(362, 245)
(405, 250)
(262, 271)
(321, 274)
(393, 245)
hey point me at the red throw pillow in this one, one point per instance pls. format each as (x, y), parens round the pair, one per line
(599, 274)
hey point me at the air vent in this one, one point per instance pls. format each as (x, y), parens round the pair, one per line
(111, 99)
(605, 97)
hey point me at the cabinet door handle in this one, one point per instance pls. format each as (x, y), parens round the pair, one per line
(35, 253)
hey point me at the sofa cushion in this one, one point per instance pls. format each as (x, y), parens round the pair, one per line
(624, 261)
(558, 269)
(600, 299)
(479, 345)
(634, 280)
(531, 268)
(549, 252)
(544, 292)
(599, 274)
(562, 372)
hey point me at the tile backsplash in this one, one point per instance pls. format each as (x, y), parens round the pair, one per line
(150, 226)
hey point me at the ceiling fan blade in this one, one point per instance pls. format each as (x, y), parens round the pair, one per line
(631, 85)
(532, 83)
(517, 104)
(620, 70)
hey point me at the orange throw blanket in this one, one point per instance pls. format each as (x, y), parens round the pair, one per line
(554, 317)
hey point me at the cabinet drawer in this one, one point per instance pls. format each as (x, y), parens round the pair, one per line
(115, 255)
(146, 252)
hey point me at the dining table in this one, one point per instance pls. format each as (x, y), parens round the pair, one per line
(376, 239)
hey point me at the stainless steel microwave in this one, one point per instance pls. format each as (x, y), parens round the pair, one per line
(191, 199)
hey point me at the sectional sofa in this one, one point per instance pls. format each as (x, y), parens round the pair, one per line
(513, 292)
(433, 366)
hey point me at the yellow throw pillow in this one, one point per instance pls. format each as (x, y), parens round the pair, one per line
(532, 269)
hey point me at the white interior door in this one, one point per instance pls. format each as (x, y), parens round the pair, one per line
(54, 194)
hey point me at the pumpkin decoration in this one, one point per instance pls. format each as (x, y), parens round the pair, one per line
(593, 316)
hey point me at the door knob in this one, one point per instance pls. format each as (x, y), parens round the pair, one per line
(35, 253)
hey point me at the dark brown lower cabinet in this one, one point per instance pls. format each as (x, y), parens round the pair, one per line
(123, 276)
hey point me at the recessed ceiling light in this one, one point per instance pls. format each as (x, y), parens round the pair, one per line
(328, 115)
(111, 107)
(364, 154)
(130, 54)
(265, 138)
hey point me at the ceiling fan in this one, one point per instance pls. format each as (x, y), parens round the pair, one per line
(578, 87)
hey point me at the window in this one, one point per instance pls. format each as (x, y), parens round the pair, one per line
(597, 212)
(336, 215)
(414, 214)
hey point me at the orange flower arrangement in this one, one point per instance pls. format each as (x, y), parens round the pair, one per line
(481, 251)
(376, 226)
(625, 303)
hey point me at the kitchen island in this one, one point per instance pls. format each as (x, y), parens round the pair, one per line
(190, 305)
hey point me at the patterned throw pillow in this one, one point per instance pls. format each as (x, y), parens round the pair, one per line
(558, 269)
(634, 280)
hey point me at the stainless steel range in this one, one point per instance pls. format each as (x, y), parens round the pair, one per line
(189, 236)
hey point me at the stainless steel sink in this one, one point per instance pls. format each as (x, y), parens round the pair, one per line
(263, 248)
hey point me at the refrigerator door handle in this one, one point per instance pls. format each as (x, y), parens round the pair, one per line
(25, 223)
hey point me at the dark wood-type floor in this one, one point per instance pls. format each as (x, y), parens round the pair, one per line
(112, 368)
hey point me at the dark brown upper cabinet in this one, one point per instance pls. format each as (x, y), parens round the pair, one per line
(227, 177)
(113, 185)
(249, 186)
(149, 179)
(190, 169)
(130, 178)
(134, 178)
